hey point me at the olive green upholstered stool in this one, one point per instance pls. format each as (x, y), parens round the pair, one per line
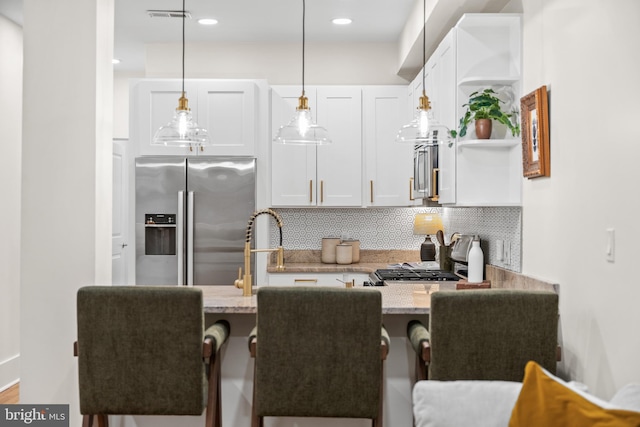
(487, 334)
(143, 350)
(319, 352)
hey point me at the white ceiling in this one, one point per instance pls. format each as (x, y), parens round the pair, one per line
(246, 21)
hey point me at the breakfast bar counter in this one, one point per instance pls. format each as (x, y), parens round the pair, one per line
(397, 298)
(402, 302)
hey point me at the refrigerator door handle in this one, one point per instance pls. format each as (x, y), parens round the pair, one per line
(190, 206)
(180, 237)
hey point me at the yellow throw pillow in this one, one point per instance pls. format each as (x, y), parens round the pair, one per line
(546, 400)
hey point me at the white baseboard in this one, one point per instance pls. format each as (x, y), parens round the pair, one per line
(9, 372)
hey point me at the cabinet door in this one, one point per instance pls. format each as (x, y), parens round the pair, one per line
(293, 167)
(340, 163)
(315, 279)
(445, 112)
(153, 105)
(389, 164)
(227, 109)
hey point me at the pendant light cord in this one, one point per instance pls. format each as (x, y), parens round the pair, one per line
(424, 41)
(303, 41)
(183, 18)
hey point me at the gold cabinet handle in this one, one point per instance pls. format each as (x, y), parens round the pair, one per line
(371, 190)
(305, 281)
(321, 191)
(411, 189)
(310, 191)
(434, 185)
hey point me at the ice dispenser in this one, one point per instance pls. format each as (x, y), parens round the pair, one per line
(160, 234)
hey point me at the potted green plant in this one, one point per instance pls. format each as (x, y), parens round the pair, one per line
(484, 107)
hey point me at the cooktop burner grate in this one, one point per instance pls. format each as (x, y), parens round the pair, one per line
(417, 275)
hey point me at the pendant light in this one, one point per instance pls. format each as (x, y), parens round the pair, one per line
(301, 129)
(418, 129)
(182, 130)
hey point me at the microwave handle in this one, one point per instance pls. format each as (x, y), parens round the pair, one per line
(418, 171)
(411, 198)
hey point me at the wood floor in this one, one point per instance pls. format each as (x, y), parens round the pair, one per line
(10, 395)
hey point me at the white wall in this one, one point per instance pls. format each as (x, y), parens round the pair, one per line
(586, 52)
(66, 185)
(279, 63)
(10, 147)
(121, 102)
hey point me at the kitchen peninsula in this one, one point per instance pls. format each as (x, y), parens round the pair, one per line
(401, 303)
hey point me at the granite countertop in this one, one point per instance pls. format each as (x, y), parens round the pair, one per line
(397, 298)
(309, 261)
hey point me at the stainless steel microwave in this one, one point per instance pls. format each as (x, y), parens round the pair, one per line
(425, 172)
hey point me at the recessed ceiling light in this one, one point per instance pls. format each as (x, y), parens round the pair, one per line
(207, 21)
(341, 21)
(115, 61)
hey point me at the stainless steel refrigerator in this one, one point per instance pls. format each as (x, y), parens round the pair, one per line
(191, 218)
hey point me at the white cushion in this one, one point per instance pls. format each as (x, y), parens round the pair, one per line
(628, 397)
(464, 403)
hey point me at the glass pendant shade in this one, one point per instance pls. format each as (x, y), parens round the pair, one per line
(418, 129)
(182, 130)
(301, 129)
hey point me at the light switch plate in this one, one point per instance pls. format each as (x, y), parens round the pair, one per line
(500, 250)
(507, 253)
(610, 249)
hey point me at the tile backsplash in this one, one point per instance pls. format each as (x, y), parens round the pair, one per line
(392, 228)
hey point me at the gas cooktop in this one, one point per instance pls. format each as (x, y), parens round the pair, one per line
(378, 277)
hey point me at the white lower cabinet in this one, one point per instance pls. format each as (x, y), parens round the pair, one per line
(325, 175)
(315, 279)
(226, 108)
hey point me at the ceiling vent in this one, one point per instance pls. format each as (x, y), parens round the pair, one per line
(168, 14)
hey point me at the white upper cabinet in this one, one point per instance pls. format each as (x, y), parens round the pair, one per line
(153, 104)
(326, 175)
(340, 163)
(389, 164)
(441, 85)
(293, 167)
(481, 51)
(226, 108)
(489, 172)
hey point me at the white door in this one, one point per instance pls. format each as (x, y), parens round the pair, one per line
(119, 242)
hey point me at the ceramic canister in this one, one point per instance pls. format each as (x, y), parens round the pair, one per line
(328, 255)
(355, 246)
(344, 253)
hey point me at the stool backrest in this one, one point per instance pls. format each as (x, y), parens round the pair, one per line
(491, 334)
(140, 350)
(318, 352)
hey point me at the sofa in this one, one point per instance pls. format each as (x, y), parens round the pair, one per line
(542, 399)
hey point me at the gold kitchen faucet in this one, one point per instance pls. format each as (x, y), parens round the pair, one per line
(245, 282)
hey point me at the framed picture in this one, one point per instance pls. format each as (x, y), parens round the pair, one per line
(535, 134)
